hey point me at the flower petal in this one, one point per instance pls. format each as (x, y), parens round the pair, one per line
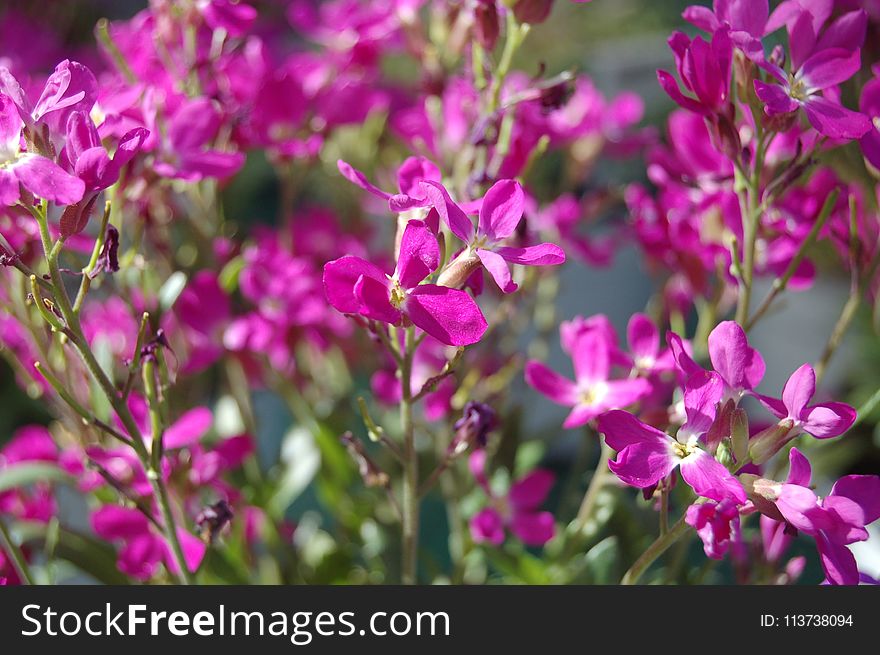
(544, 254)
(622, 429)
(531, 490)
(533, 529)
(741, 366)
(827, 420)
(356, 177)
(835, 121)
(557, 388)
(502, 210)
(644, 464)
(498, 269)
(711, 479)
(449, 315)
(188, 429)
(46, 179)
(451, 214)
(419, 254)
(340, 277)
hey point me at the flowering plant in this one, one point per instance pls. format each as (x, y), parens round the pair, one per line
(280, 280)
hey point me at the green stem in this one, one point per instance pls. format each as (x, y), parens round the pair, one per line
(77, 337)
(655, 550)
(780, 283)
(19, 563)
(751, 215)
(410, 468)
(600, 476)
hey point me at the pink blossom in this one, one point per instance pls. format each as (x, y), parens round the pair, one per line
(143, 547)
(517, 511)
(355, 286)
(645, 455)
(593, 391)
(500, 213)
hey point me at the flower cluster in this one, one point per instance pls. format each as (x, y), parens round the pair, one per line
(274, 274)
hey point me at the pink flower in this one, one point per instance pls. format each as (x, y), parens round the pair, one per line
(517, 511)
(717, 524)
(645, 455)
(823, 420)
(740, 366)
(355, 286)
(593, 391)
(500, 213)
(36, 173)
(704, 69)
(834, 522)
(143, 548)
(818, 66)
(186, 153)
(411, 173)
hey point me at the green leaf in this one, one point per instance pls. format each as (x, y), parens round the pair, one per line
(21, 475)
(171, 290)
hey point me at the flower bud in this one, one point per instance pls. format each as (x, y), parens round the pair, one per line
(487, 26)
(459, 270)
(532, 11)
(472, 429)
(739, 434)
(213, 519)
(768, 442)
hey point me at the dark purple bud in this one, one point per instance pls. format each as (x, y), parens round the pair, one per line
(213, 519)
(532, 11)
(370, 472)
(108, 259)
(487, 27)
(473, 428)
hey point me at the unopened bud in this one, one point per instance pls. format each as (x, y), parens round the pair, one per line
(487, 26)
(739, 435)
(456, 274)
(213, 519)
(768, 442)
(472, 429)
(532, 11)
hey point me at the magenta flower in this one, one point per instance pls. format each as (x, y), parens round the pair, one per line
(37, 174)
(517, 510)
(823, 420)
(355, 286)
(815, 70)
(835, 521)
(717, 525)
(740, 366)
(644, 346)
(411, 173)
(89, 160)
(143, 548)
(71, 87)
(645, 455)
(187, 154)
(704, 69)
(499, 216)
(745, 19)
(593, 391)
